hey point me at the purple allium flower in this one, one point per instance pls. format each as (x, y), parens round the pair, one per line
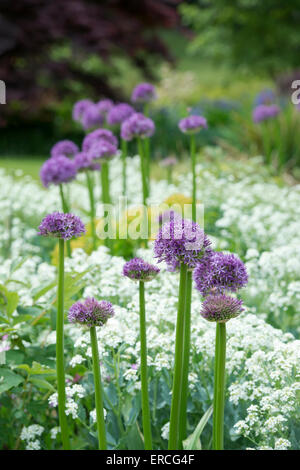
(119, 113)
(167, 216)
(60, 225)
(264, 112)
(91, 117)
(64, 147)
(102, 150)
(181, 241)
(104, 106)
(266, 96)
(91, 312)
(57, 170)
(168, 162)
(84, 161)
(95, 136)
(143, 93)
(79, 108)
(139, 270)
(220, 273)
(221, 308)
(137, 125)
(192, 124)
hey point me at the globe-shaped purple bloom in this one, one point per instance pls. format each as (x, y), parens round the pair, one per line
(119, 113)
(57, 170)
(137, 125)
(221, 308)
(139, 270)
(104, 106)
(61, 225)
(102, 151)
(64, 147)
(90, 312)
(96, 135)
(192, 124)
(91, 117)
(79, 108)
(220, 273)
(84, 161)
(181, 241)
(264, 112)
(143, 93)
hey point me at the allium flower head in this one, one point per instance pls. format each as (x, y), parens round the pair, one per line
(64, 147)
(264, 112)
(104, 106)
(168, 162)
(119, 113)
(90, 312)
(91, 117)
(102, 150)
(57, 170)
(220, 273)
(139, 270)
(167, 216)
(192, 124)
(60, 225)
(221, 308)
(96, 135)
(143, 93)
(84, 161)
(181, 241)
(79, 108)
(137, 125)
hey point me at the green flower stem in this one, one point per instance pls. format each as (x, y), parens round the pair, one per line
(124, 158)
(144, 376)
(105, 183)
(267, 148)
(170, 175)
(90, 186)
(60, 369)
(98, 391)
(147, 163)
(219, 387)
(193, 160)
(65, 209)
(179, 345)
(105, 193)
(143, 171)
(186, 359)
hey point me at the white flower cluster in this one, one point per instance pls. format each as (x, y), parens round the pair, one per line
(73, 393)
(29, 435)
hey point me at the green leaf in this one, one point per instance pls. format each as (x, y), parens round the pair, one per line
(37, 293)
(36, 369)
(9, 379)
(193, 442)
(9, 300)
(41, 383)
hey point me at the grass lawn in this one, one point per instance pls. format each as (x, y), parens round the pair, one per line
(28, 165)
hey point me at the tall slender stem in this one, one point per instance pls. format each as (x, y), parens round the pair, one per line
(90, 185)
(177, 381)
(193, 160)
(147, 163)
(219, 387)
(144, 375)
(98, 391)
(124, 165)
(186, 359)
(105, 183)
(143, 171)
(65, 209)
(60, 369)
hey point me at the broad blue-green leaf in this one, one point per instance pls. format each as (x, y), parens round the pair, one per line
(9, 379)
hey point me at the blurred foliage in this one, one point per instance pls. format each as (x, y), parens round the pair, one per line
(251, 34)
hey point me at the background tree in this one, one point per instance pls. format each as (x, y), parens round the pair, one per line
(254, 34)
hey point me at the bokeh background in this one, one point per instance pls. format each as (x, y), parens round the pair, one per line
(218, 58)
